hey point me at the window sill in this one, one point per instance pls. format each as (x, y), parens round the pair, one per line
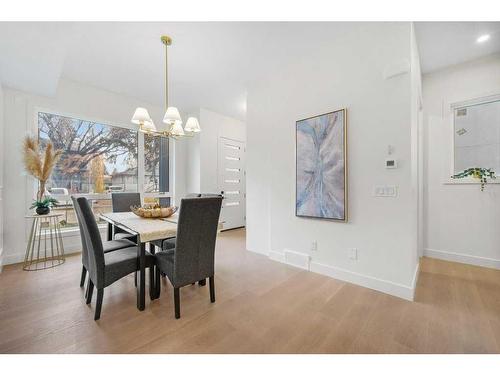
(468, 181)
(75, 231)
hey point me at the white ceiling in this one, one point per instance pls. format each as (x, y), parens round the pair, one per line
(443, 44)
(210, 64)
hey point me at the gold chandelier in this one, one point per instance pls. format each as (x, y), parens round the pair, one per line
(172, 116)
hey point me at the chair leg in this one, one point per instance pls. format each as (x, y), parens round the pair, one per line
(152, 288)
(90, 290)
(135, 279)
(82, 279)
(98, 305)
(157, 282)
(202, 282)
(177, 303)
(211, 281)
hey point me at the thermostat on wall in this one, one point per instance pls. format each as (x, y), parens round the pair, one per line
(391, 163)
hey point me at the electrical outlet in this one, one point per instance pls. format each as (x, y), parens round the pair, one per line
(314, 246)
(353, 254)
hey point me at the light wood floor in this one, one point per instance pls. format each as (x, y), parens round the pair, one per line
(262, 307)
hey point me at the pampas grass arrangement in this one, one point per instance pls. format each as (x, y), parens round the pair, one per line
(37, 165)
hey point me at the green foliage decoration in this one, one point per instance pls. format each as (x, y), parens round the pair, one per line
(481, 174)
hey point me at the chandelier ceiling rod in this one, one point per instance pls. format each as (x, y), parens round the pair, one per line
(166, 40)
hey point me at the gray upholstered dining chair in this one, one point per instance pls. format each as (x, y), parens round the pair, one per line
(106, 268)
(170, 242)
(193, 257)
(121, 202)
(108, 246)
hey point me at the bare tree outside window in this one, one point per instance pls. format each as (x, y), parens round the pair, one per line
(97, 159)
(87, 147)
(151, 163)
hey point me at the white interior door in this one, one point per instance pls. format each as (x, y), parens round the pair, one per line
(231, 181)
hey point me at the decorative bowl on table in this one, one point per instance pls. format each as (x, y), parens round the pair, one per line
(153, 211)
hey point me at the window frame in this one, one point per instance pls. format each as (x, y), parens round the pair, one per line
(33, 185)
(450, 115)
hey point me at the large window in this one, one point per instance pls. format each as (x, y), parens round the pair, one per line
(477, 134)
(156, 159)
(99, 159)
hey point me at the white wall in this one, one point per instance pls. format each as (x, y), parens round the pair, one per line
(462, 222)
(202, 174)
(348, 72)
(2, 149)
(74, 99)
(416, 212)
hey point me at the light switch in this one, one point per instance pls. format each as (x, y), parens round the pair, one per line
(385, 191)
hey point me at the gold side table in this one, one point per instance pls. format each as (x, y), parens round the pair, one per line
(45, 246)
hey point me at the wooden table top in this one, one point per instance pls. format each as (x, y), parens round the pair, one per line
(147, 229)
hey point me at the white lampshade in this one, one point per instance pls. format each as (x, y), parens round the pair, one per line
(141, 116)
(148, 126)
(176, 129)
(192, 125)
(172, 116)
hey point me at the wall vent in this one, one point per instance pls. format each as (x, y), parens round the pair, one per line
(296, 259)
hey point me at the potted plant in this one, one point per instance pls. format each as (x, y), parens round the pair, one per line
(41, 168)
(481, 174)
(42, 207)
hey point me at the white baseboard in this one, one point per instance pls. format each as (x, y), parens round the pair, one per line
(71, 241)
(297, 259)
(399, 290)
(415, 280)
(19, 257)
(385, 286)
(277, 256)
(463, 258)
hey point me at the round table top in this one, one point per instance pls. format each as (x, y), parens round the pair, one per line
(36, 216)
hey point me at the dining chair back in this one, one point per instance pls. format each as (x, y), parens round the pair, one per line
(195, 243)
(121, 202)
(85, 261)
(203, 195)
(169, 243)
(92, 239)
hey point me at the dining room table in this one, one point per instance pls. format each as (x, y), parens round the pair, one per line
(146, 230)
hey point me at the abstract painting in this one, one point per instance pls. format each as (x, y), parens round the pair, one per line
(321, 166)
